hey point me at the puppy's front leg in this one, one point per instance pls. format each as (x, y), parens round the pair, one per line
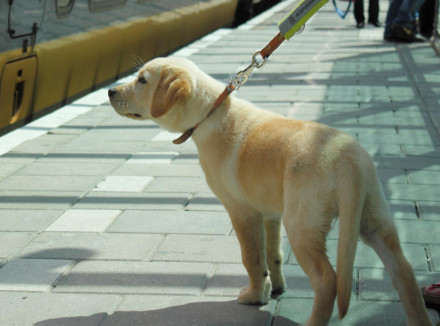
(249, 229)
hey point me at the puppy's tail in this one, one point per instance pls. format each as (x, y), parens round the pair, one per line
(350, 211)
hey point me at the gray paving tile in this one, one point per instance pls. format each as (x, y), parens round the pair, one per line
(401, 209)
(91, 246)
(89, 146)
(375, 284)
(178, 184)
(84, 122)
(436, 119)
(418, 231)
(44, 309)
(12, 242)
(31, 220)
(424, 177)
(123, 183)
(205, 202)
(199, 248)
(376, 118)
(156, 170)
(136, 278)
(70, 130)
(408, 162)
(429, 151)
(401, 139)
(67, 158)
(153, 158)
(165, 136)
(407, 121)
(377, 150)
(425, 133)
(411, 192)
(187, 158)
(160, 221)
(119, 133)
(60, 183)
(7, 169)
(133, 200)
(19, 158)
(410, 112)
(68, 169)
(166, 144)
(434, 251)
(392, 175)
(429, 210)
(43, 144)
(376, 129)
(35, 275)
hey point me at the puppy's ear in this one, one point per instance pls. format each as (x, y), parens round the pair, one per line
(174, 85)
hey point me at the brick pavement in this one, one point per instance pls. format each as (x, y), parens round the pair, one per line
(103, 221)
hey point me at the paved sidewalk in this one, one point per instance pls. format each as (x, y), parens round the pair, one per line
(103, 221)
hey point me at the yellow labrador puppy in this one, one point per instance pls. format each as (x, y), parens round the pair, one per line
(267, 169)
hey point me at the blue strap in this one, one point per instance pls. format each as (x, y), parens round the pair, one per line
(341, 13)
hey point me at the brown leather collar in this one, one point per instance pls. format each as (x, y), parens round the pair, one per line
(264, 53)
(184, 137)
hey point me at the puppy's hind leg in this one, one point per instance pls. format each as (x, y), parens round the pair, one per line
(306, 234)
(379, 232)
(248, 226)
(274, 255)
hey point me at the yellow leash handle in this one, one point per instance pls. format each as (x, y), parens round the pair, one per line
(295, 19)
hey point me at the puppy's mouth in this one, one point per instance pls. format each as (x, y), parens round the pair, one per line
(120, 107)
(135, 116)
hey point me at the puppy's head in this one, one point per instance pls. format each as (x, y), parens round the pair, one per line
(159, 92)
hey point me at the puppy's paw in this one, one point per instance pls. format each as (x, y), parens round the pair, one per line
(255, 296)
(277, 292)
(278, 285)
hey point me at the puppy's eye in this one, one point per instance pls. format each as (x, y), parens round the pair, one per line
(142, 80)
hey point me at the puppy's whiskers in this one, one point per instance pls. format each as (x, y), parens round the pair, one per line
(121, 105)
(124, 106)
(138, 63)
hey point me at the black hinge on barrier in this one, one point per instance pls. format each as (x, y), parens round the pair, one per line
(12, 35)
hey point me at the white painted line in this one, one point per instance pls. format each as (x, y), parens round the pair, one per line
(96, 98)
(40, 126)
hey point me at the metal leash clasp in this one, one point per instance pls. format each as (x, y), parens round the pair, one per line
(242, 77)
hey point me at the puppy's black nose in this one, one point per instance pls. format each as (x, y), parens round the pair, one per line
(112, 92)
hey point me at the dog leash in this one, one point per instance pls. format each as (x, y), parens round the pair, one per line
(291, 24)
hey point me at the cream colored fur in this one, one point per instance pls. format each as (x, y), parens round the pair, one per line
(268, 170)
